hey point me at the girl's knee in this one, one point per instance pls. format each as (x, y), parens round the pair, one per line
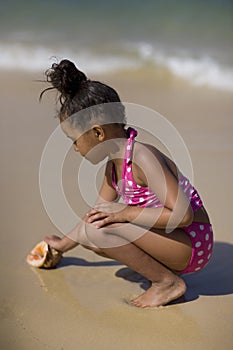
(94, 235)
(103, 238)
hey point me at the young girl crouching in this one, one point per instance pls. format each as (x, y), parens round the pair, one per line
(157, 197)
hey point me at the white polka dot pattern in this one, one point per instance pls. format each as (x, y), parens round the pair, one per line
(150, 199)
(200, 234)
(193, 233)
(201, 237)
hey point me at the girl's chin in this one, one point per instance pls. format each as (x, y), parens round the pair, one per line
(95, 160)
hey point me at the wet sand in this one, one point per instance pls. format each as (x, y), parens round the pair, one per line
(84, 302)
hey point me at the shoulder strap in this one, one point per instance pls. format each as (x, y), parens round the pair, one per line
(129, 145)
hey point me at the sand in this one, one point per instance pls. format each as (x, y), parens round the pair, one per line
(83, 303)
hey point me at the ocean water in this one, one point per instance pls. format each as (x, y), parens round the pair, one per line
(189, 39)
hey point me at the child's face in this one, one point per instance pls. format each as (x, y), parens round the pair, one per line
(86, 143)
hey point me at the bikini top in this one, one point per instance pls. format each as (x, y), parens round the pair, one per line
(134, 194)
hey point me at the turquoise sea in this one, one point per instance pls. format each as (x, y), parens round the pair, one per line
(189, 39)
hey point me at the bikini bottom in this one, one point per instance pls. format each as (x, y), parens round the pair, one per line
(201, 236)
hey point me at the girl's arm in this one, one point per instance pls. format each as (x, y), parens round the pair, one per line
(176, 211)
(107, 193)
(72, 239)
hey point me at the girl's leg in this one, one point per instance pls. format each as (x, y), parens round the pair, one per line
(173, 250)
(166, 286)
(153, 255)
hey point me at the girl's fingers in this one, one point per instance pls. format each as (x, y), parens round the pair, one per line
(53, 241)
(91, 212)
(103, 222)
(97, 216)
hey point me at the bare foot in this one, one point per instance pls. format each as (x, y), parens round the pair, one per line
(161, 293)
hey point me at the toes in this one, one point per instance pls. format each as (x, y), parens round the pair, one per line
(138, 303)
(135, 302)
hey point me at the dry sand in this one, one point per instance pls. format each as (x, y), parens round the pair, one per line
(83, 303)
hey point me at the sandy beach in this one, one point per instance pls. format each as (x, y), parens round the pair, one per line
(83, 304)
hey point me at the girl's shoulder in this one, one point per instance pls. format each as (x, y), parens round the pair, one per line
(144, 152)
(141, 151)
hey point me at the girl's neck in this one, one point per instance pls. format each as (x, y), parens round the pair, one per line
(115, 138)
(117, 131)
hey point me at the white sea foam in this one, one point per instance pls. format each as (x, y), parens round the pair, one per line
(30, 58)
(201, 71)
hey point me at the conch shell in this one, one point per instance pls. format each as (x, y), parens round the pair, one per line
(42, 255)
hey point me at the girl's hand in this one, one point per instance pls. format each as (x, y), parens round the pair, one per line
(61, 244)
(107, 213)
(54, 242)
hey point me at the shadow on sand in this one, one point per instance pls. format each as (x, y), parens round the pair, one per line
(215, 279)
(73, 261)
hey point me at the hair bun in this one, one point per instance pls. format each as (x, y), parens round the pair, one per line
(66, 78)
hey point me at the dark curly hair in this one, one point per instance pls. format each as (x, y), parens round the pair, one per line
(98, 102)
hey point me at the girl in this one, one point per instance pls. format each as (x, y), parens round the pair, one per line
(162, 230)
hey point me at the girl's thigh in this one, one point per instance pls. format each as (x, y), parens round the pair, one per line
(173, 250)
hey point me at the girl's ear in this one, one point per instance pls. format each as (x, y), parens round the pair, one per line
(99, 132)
